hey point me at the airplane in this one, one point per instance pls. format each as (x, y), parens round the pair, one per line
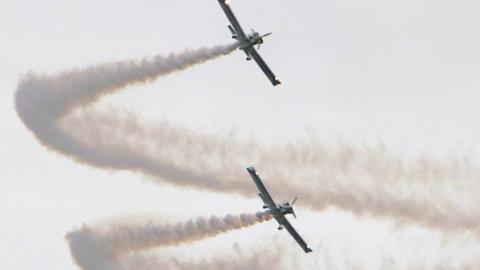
(278, 210)
(247, 43)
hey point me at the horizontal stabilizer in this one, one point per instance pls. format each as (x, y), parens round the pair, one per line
(263, 198)
(232, 30)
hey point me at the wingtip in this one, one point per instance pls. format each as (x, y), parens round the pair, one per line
(308, 250)
(251, 169)
(277, 82)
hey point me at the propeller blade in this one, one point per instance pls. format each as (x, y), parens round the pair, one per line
(294, 215)
(294, 200)
(267, 34)
(258, 47)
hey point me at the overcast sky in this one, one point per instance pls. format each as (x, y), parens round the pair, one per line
(403, 74)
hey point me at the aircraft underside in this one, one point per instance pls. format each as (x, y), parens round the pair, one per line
(247, 43)
(278, 211)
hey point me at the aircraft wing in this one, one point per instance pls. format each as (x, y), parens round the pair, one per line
(233, 20)
(266, 198)
(284, 221)
(264, 66)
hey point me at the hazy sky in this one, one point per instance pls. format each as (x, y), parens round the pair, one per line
(399, 73)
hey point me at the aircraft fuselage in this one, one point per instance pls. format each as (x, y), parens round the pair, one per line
(252, 40)
(281, 210)
(247, 44)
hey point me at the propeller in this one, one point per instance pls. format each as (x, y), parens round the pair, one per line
(291, 205)
(294, 200)
(267, 34)
(261, 39)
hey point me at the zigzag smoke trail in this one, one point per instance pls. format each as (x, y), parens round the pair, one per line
(361, 180)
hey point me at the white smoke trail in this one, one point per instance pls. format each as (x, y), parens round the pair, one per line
(42, 100)
(365, 181)
(362, 180)
(110, 246)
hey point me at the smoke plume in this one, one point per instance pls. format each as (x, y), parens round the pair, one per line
(366, 181)
(113, 246)
(363, 180)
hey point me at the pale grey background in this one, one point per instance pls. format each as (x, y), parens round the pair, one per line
(401, 73)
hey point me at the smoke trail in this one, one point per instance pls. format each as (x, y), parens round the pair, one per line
(42, 101)
(110, 246)
(364, 181)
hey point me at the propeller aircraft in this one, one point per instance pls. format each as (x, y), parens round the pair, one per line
(247, 43)
(278, 210)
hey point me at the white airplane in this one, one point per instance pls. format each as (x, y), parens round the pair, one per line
(247, 43)
(278, 210)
